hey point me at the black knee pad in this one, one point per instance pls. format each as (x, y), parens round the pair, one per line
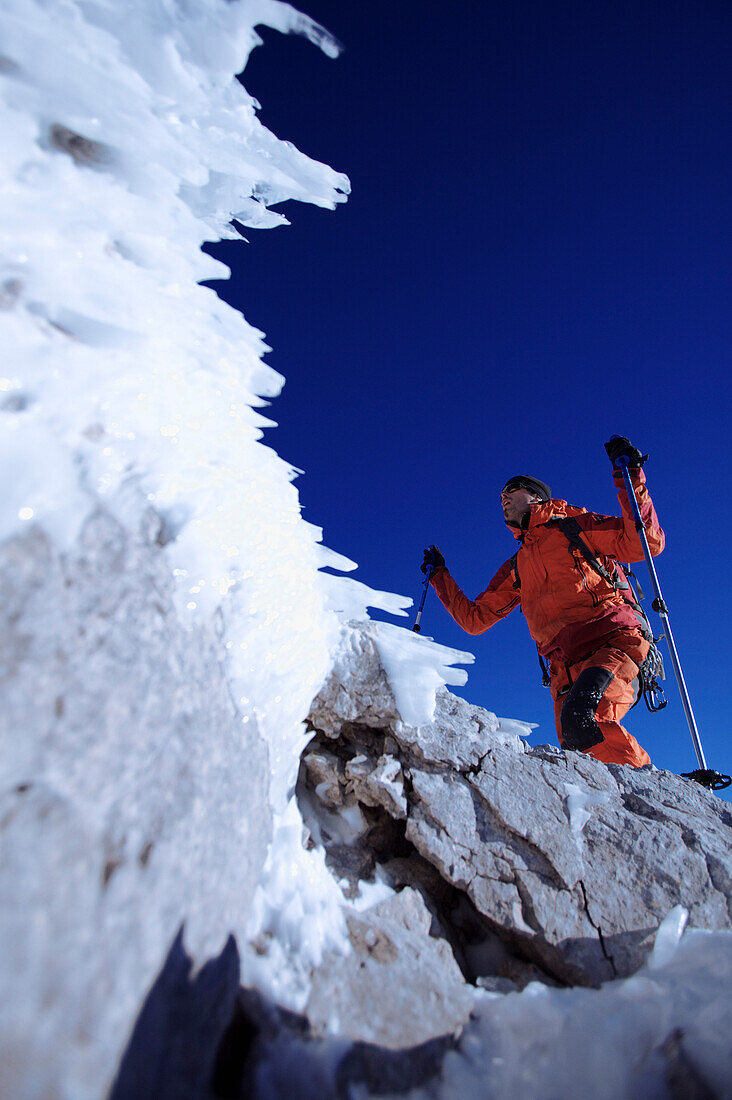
(580, 730)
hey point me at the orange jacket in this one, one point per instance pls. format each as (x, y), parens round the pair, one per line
(567, 605)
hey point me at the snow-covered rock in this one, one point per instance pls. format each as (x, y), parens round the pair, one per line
(164, 623)
(588, 909)
(165, 620)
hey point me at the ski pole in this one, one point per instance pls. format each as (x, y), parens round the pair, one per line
(417, 628)
(706, 776)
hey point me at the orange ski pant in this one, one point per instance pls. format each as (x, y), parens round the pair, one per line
(592, 695)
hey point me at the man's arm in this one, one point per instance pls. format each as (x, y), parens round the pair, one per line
(616, 536)
(477, 616)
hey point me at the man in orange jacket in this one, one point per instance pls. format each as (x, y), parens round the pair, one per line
(581, 620)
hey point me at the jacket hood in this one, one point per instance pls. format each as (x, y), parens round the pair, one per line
(544, 511)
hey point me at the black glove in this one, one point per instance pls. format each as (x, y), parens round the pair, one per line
(433, 559)
(620, 446)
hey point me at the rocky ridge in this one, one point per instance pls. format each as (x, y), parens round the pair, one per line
(516, 919)
(530, 863)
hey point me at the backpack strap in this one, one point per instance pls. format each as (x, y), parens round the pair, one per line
(652, 668)
(570, 528)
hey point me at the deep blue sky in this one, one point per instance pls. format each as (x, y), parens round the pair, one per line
(536, 255)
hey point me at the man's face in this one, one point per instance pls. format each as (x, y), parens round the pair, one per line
(517, 504)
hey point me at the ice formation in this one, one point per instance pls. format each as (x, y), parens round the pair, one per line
(127, 142)
(579, 803)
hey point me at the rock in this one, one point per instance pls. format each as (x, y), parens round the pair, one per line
(500, 873)
(82, 150)
(398, 988)
(382, 785)
(327, 774)
(357, 689)
(358, 693)
(269, 1053)
(572, 863)
(124, 772)
(661, 1033)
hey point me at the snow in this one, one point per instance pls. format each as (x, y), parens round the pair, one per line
(579, 803)
(668, 937)
(516, 727)
(296, 918)
(606, 1043)
(416, 667)
(373, 893)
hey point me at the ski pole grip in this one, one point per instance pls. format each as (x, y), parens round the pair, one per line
(621, 460)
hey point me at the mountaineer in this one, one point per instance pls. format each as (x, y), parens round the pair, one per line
(579, 607)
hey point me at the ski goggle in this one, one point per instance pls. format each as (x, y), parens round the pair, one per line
(529, 483)
(514, 484)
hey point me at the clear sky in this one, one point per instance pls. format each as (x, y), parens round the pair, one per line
(536, 255)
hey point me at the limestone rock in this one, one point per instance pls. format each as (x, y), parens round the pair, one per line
(125, 767)
(357, 689)
(399, 987)
(572, 863)
(326, 773)
(661, 1033)
(379, 785)
(358, 693)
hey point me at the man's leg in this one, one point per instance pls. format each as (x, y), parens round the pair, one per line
(602, 690)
